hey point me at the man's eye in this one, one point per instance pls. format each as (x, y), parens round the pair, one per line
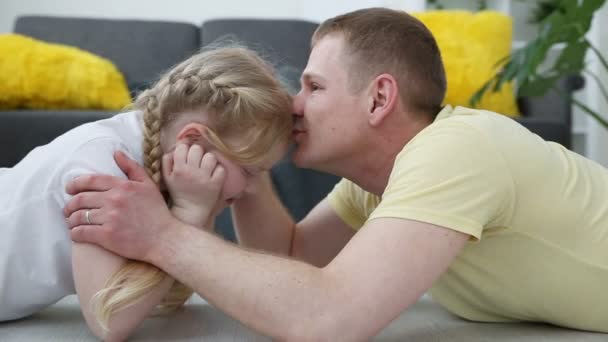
(314, 86)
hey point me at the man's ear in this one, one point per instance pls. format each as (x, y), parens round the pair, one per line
(192, 133)
(383, 97)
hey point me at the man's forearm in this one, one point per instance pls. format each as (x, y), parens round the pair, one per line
(261, 221)
(292, 299)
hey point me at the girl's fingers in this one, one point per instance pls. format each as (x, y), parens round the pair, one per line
(195, 154)
(180, 155)
(208, 163)
(219, 173)
(167, 165)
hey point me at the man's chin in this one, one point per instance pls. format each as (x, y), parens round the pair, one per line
(298, 159)
(305, 160)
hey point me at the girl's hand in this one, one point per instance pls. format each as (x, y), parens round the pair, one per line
(194, 180)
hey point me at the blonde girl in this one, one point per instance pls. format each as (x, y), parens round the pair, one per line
(226, 100)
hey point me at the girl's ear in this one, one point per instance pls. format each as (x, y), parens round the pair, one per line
(192, 133)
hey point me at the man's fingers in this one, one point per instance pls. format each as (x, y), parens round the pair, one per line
(91, 182)
(133, 170)
(83, 200)
(89, 234)
(80, 217)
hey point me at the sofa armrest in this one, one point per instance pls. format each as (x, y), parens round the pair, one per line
(550, 115)
(549, 130)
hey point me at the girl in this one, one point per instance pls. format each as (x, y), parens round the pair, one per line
(225, 100)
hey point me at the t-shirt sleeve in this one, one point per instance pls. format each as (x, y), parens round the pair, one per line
(451, 176)
(343, 199)
(93, 157)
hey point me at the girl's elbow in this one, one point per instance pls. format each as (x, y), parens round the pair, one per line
(114, 333)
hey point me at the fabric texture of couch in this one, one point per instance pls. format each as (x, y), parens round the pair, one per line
(144, 49)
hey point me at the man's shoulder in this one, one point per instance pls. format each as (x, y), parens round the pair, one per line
(465, 127)
(465, 139)
(472, 118)
(441, 136)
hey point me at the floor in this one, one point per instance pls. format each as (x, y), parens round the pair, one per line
(198, 321)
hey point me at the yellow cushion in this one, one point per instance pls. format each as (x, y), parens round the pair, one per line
(471, 44)
(39, 75)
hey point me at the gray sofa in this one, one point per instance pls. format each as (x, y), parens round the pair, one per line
(142, 50)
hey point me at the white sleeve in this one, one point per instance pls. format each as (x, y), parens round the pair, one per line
(94, 157)
(35, 248)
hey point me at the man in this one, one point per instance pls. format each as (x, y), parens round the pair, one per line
(498, 224)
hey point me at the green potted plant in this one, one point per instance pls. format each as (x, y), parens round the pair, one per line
(561, 23)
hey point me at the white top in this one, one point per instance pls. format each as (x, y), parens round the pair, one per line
(35, 246)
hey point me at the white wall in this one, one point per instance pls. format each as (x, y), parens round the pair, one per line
(598, 135)
(194, 11)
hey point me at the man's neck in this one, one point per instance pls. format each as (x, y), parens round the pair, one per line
(373, 171)
(373, 176)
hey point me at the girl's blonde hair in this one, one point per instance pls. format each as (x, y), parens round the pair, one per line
(242, 97)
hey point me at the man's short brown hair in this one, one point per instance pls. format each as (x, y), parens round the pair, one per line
(381, 40)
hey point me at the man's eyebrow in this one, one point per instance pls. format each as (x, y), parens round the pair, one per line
(307, 75)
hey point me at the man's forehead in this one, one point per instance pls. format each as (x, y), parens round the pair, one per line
(330, 45)
(325, 53)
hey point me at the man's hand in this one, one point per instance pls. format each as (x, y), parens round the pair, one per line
(127, 217)
(194, 180)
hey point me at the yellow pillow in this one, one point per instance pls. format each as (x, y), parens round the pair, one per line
(471, 44)
(39, 75)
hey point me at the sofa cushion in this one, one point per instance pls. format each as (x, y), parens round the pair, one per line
(471, 44)
(141, 49)
(39, 75)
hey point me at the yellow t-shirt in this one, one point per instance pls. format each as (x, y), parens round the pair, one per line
(537, 214)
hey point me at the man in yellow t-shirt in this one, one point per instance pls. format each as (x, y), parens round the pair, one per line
(498, 224)
(536, 212)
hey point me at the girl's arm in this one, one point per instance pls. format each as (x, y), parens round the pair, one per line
(193, 202)
(92, 267)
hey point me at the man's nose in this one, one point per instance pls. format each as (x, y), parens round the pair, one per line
(298, 104)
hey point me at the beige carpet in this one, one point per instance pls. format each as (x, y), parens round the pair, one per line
(425, 321)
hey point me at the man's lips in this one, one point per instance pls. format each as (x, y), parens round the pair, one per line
(296, 132)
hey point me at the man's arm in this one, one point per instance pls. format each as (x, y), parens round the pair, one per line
(381, 271)
(262, 222)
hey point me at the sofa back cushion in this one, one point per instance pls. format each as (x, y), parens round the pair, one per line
(140, 49)
(285, 43)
